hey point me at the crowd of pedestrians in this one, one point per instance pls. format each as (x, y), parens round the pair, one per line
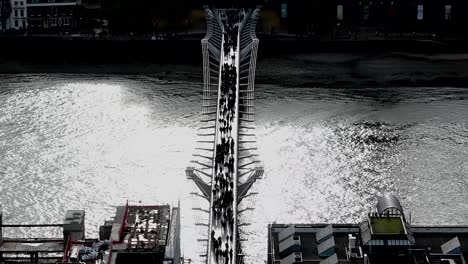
(231, 27)
(223, 187)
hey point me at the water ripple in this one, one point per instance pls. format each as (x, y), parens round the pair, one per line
(91, 142)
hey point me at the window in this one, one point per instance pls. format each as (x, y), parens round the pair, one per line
(339, 12)
(66, 21)
(16, 23)
(21, 3)
(448, 12)
(284, 10)
(16, 3)
(22, 13)
(366, 12)
(376, 242)
(24, 23)
(16, 13)
(53, 22)
(420, 12)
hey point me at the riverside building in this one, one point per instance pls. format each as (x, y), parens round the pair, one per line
(19, 15)
(146, 234)
(384, 236)
(17, 20)
(52, 15)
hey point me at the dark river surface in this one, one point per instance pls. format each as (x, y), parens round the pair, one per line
(93, 141)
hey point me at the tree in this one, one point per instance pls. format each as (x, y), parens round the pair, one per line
(5, 12)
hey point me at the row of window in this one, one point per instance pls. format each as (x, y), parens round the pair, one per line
(19, 13)
(50, 11)
(50, 1)
(48, 14)
(17, 23)
(390, 242)
(398, 243)
(60, 21)
(21, 3)
(419, 16)
(51, 23)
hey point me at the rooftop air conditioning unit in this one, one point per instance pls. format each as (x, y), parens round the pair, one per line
(353, 251)
(297, 257)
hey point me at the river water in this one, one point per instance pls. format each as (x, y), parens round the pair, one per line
(94, 141)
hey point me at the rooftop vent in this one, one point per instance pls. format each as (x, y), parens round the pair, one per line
(389, 205)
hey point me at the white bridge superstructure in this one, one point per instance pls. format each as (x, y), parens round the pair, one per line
(226, 166)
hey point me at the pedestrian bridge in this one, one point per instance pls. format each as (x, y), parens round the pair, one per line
(225, 164)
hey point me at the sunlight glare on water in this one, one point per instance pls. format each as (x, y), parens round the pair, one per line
(92, 142)
(87, 146)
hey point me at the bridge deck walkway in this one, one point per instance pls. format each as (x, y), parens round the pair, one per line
(224, 182)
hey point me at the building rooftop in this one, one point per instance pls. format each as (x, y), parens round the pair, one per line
(134, 224)
(143, 234)
(384, 237)
(430, 238)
